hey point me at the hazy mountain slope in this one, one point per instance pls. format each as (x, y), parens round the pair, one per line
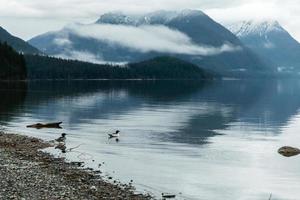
(189, 34)
(271, 41)
(17, 43)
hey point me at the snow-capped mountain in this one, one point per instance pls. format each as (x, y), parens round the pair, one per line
(248, 28)
(117, 37)
(271, 41)
(157, 17)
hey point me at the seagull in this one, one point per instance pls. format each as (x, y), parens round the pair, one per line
(114, 135)
(62, 138)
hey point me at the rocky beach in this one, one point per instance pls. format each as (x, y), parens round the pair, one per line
(29, 173)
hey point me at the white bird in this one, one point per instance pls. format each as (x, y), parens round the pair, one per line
(114, 135)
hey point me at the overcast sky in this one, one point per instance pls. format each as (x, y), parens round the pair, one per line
(27, 18)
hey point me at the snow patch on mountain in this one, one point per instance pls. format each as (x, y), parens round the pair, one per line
(156, 17)
(253, 27)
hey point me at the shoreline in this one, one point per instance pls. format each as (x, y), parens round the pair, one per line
(28, 173)
(70, 80)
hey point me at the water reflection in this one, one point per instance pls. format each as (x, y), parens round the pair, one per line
(224, 133)
(199, 108)
(12, 97)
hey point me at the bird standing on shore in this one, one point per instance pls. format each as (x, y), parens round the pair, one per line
(62, 138)
(114, 135)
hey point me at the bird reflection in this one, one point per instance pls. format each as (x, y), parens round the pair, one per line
(61, 147)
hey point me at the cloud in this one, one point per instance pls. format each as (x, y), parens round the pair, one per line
(269, 45)
(148, 38)
(80, 55)
(287, 12)
(88, 8)
(62, 42)
(86, 56)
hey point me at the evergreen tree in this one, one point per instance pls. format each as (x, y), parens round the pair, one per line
(45, 67)
(12, 64)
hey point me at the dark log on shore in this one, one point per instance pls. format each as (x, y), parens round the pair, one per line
(48, 125)
(168, 196)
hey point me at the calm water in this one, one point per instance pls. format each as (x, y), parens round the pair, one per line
(215, 140)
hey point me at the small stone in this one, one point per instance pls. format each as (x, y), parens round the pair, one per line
(288, 151)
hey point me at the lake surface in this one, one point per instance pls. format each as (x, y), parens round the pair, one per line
(198, 140)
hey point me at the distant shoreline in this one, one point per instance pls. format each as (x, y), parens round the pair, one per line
(33, 80)
(26, 172)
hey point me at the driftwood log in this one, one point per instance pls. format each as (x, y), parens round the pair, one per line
(168, 196)
(48, 125)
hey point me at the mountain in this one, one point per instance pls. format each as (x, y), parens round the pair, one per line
(45, 67)
(17, 43)
(169, 68)
(12, 64)
(270, 41)
(197, 25)
(190, 35)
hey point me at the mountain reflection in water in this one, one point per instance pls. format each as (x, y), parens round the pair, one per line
(176, 136)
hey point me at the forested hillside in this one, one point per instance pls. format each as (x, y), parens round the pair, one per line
(45, 67)
(17, 43)
(12, 64)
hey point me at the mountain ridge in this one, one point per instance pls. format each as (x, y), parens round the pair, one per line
(161, 16)
(197, 27)
(248, 27)
(17, 43)
(271, 41)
